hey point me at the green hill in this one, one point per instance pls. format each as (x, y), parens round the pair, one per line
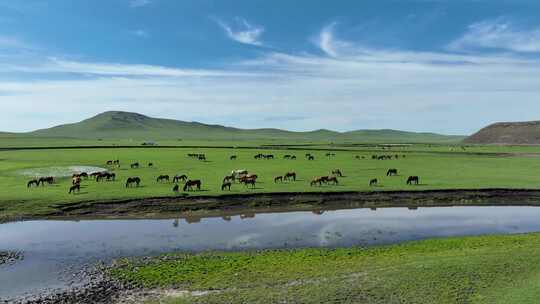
(125, 125)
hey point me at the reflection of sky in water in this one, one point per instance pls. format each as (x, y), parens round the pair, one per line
(54, 246)
(59, 171)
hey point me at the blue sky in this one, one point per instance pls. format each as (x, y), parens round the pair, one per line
(442, 66)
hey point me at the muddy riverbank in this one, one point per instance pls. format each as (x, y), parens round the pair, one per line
(208, 206)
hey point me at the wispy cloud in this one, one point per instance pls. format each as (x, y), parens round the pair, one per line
(140, 33)
(498, 34)
(242, 31)
(139, 3)
(13, 42)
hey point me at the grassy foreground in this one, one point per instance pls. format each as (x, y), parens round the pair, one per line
(437, 170)
(487, 269)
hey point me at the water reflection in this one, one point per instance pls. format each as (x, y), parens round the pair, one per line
(55, 249)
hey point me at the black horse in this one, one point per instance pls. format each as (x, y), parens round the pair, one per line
(391, 172)
(413, 180)
(373, 182)
(176, 188)
(32, 182)
(162, 178)
(226, 185)
(135, 165)
(133, 180)
(178, 178)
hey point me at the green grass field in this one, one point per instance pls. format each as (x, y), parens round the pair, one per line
(487, 269)
(437, 170)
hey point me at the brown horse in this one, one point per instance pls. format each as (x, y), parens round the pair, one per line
(413, 180)
(278, 179)
(32, 182)
(191, 183)
(373, 182)
(176, 188)
(162, 178)
(226, 185)
(76, 187)
(178, 178)
(75, 180)
(290, 175)
(249, 181)
(316, 180)
(133, 180)
(49, 180)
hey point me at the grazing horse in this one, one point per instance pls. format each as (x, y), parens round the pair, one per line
(150, 164)
(316, 180)
(333, 180)
(176, 188)
(178, 178)
(133, 180)
(32, 182)
(109, 162)
(162, 178)
(391, 172)
(413, 180)
(49, 180)
(190, 183)
(337, 172)
(95, 174)
(286, 156)
(202, 157)
(105, 175)
(373, 182)
(226, 185)
(134, 165)
(311, 157)
(293, 157)
(308, 155)
(75, 187)
(233, 157)
(269, 156)
(289, 175)
(278, 179)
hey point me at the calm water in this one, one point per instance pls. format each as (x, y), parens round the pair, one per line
(54, 250)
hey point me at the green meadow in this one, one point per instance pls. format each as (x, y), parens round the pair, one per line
(438, 166)
(487, 269)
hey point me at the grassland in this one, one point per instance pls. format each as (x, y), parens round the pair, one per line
(487, 269)
(515, 168)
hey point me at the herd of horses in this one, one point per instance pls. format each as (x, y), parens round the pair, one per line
(239, 176)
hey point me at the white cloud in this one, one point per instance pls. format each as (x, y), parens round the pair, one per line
(12, 43)
(243, 31)
(350, 87)
(140, 33)
(498, 34)
(139, 3)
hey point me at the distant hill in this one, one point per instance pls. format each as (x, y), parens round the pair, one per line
(115, 124)
(518, 133)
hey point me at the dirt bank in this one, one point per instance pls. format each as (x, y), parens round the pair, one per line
(202, 206)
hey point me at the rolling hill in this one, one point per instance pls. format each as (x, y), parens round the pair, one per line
(116, 124)
(515, 133)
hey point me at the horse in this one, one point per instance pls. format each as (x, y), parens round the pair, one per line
(289, 175)
(178, 178)
(249, 181)
(258, 156)
(391, 172)
(83, 174)
(32, 182)
(105, 175)
(337, 172)
(49, 180)
(190, 183)
(373, 182)
(202, 157)
(95, 174)
(175, 188)
(308, 155)
(75, 180)
(316, 180)
(134, 165)
(162, 178)
(311, 157)
(413, 180)
(287, 156)
(133, 180)
(150, 164)
(293, 157)
(269, 156)
(278, 178)
(333, 180)
(228, 178)
(324, 179)
(75, 187)
(226, 185)
(233, 157)
(109, 162)
(116, 163)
